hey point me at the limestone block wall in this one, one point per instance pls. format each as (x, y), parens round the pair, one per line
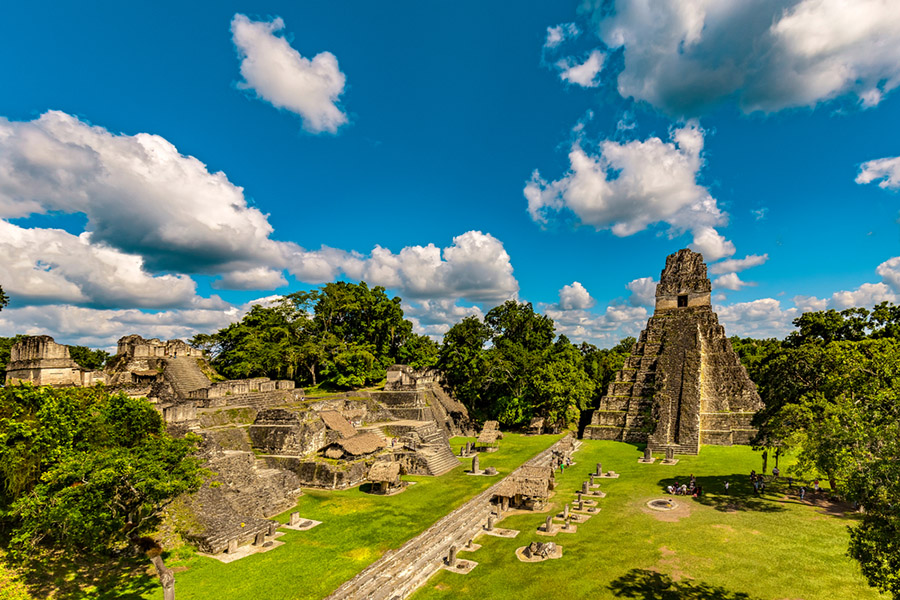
(321, 474)
(279, 431)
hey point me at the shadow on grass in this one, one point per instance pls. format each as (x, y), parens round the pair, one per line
(124, 578)
(739, 497)
(650, 585)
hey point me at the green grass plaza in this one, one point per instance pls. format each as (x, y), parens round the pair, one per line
(723, 546)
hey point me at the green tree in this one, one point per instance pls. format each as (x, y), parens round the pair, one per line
(6, 345)
(88, 472)
(4, 299)
(87, 358)
(463, 361)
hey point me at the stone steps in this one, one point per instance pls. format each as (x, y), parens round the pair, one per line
(185, 375)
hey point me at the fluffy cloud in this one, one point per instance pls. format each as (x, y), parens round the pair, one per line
(884, 170)
(40, 266)
(605, 329)
(761, 318)
(435, 317)
(632, 185)
(281, 76)
(475, 267)
(102, 328)
(575, 297)
(731, 281)
(736, 265)
(685, 57)
(560, 33)
(582, 73)
(140, 195)
(643, 291)
(867, 294)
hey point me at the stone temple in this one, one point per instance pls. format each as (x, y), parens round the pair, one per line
(683, 385)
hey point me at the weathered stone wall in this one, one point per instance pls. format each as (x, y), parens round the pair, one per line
(278, 431)
(134, 346)
(41, 361)
(322, 474)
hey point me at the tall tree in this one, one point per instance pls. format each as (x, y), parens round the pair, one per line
(88, 472)
(4, 299)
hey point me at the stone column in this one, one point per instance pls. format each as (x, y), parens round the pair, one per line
(232, 546)
(584, 488)
(670, 454)
(490, 523)
(451, 558)
(548, 524)
(272, 528)
(566, 512)
(295, 519)
(580, 504)
(475, 464)
(599, 469)
(579, 496)
(647, 454)
(504, 504)
(260, 539)
(592, 479)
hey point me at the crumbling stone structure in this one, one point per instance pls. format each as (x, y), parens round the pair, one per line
(683, 385)
(41, 361)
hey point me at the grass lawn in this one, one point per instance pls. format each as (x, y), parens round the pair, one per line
(726, 547)
(356, 529)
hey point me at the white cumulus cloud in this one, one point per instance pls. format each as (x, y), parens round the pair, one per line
(686, 57)
(277, 73)
(730, 281)
(140, 195)
(582, 73)
(736, 265)
(558, 34)
(643, 291)
(630, 186)
(886, 171)
(575, 297)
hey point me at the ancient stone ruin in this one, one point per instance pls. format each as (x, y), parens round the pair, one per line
(41, 361)
(262, 438)
(683, 385)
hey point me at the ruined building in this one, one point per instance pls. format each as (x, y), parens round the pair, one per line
(683, 385)
(41, 361)
(262, 439)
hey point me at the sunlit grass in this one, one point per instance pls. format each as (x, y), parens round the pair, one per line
(728, 544)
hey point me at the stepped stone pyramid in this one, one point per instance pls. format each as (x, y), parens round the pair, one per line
(683, 385)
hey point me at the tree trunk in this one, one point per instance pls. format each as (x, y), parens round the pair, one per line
(166, 577)
(765, 461)
(312, 371)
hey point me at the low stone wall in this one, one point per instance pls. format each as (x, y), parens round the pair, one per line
(321, 474)
(279, 431)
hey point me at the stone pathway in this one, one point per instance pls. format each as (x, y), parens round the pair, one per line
(397, 574)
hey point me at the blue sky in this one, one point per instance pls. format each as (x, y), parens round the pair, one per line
(163, 166)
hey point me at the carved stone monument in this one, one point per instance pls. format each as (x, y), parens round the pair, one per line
(683, 385)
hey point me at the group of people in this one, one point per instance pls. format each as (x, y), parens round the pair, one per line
(686, 489)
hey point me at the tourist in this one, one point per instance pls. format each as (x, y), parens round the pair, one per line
(816, 482)
(802, 492)
(727, 485)
(775, 472)
(790, 482)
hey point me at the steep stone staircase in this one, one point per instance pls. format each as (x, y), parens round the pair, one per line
(185, 375)
(436, 450)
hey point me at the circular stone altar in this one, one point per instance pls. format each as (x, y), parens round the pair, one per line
(662, 504)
